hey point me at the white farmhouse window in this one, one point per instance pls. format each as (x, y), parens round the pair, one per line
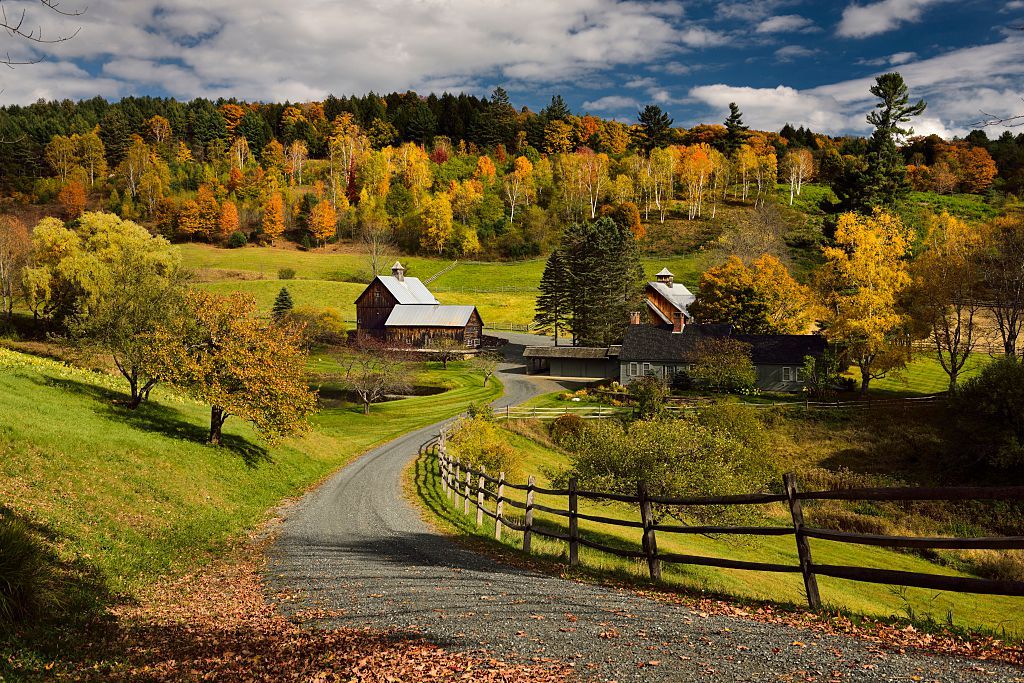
(647, 369)
(787, 374)
(634, 369)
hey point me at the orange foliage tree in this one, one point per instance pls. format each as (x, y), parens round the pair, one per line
(189, 224)
(228, 219)
(323, 220)
(223, 353)
(273, 217)
(72, 199)
(209, 212)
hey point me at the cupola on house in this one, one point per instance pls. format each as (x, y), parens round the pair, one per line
(401, 310)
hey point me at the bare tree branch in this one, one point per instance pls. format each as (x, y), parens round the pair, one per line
(16, 27)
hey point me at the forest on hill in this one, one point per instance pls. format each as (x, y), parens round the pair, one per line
(454, 176)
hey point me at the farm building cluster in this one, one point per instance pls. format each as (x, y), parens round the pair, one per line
(663, 340)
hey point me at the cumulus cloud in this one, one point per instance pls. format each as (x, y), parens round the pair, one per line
(958, 86)
(785, 23)
(861, 21)
(264, 49)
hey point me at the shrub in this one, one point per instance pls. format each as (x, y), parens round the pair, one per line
(286, 274)
(479, 441)
(24, 573)
(320, 326)
(483, 411)
(566, 427)
(650, 394)
(723, 365)
(237, 240)
(994, 401)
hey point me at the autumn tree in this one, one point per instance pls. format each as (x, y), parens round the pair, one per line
(72, 199)
(375, 232)
(209, 212)
(62, 154)
(228, 222)
(946, 292)
(762, 298)
(1000, 262)
(273, 217)
(799, 167)
(372, 373)
(159, 130)
(518, 185)
(323, 220)
(15, 249)
(445, 349)
(224, 353)
(131, 284)
(188, 222)
(437, 223)
(297, 155)
(487, 363)
(860, 286)
(92, 155)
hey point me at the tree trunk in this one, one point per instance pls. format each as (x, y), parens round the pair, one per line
(865, 381)
(366, 408)
(217, 418)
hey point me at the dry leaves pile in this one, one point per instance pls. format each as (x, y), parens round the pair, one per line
(893, 637)
(217, 625)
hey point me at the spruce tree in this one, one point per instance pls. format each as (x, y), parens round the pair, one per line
(887, 171)
(655, 129)
(553, 301)
(736, 132)
(558, 110)
(283, 304)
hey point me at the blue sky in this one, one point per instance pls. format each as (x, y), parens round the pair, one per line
(802, 61)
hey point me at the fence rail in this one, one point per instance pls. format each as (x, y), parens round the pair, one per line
(469, 483)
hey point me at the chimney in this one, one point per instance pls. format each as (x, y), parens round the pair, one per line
(398, 271)
(666, 277)
(634, 318)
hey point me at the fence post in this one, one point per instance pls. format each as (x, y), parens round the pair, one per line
(803, 547)
(574, 525)
(442, 472)
(528, 521)
(456, 479)
(465, 497)
(480, 497)
(650, 541)
(500, 508)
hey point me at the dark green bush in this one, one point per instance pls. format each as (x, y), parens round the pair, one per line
(237, 240)
(24, 573)
(993, 402)
(286, 274)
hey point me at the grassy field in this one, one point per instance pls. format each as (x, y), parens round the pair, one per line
(129, 496)
(505, 292)
(984, 612)
(924, 376)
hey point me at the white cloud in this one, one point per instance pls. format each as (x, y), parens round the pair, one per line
(265, 49)
(890, 60)
(785, 23)
(641, 82)
(1014, 5)
(791, 53)
(677, 68)
(612, 103)
(861, 21)
(958, 86)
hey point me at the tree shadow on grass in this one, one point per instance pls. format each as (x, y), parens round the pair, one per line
(161, 419)
(65, 599)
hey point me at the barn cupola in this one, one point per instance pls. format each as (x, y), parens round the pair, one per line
(398, 271)
(666, 277)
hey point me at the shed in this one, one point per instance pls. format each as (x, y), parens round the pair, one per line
(578, 362)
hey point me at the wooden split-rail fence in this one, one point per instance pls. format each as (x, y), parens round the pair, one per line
(470, 484)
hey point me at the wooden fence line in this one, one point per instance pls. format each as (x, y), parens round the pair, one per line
(452, 474)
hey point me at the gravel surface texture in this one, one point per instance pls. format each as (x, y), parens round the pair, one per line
(358, 549)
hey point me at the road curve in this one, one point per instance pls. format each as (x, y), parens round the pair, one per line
(357, 547)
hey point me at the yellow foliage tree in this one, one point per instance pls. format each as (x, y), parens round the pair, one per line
(437, 223)
(860, 285)
(323, 221)
(273, 217)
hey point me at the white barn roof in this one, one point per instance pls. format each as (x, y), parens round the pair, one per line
(677, 295)
(418, 315)
(408, 290)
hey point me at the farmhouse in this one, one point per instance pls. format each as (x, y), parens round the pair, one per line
(401, 310)
(777, 358)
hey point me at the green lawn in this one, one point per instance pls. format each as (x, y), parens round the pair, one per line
(505, 292)
(129, 496)
(924, 376)
(990, 612)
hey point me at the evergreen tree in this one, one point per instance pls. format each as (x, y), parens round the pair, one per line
(592, 282)
(283, 304)
(553, 301)
(736, 132)
(655, 129)
(557, 110)
(887, 171)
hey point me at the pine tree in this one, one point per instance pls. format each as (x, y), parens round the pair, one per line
(283, 304)
(887, 171)
(553, 301)
(558, 110)
(655, 129)
(736, 132)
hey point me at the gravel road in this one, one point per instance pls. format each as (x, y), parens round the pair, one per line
(357, 547)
